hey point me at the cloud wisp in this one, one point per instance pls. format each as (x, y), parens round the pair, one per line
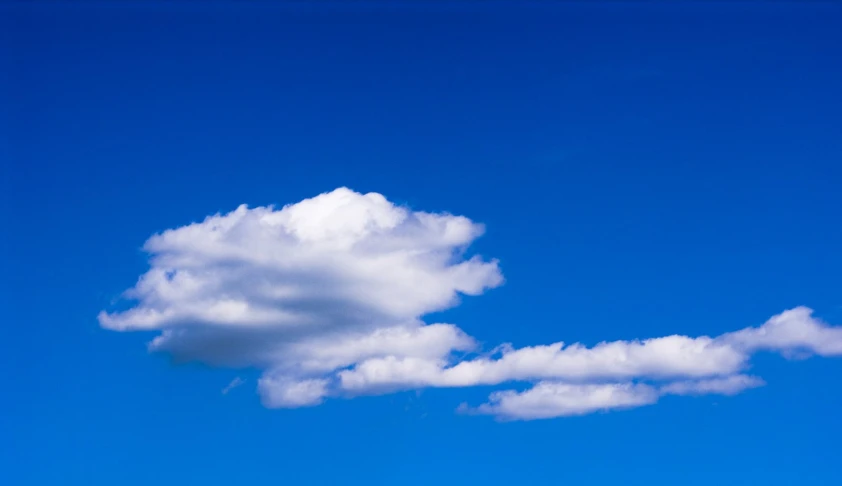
(232, 384)
(327, 297)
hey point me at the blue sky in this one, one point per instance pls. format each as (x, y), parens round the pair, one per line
(641, 171)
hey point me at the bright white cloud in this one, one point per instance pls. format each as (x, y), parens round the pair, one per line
(793, 331)
(307, 289)
(548, 400)
(327, 296)
(671, 357)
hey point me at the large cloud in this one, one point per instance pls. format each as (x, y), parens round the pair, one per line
(327, 297)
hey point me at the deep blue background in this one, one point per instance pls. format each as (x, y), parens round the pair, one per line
(643, 169)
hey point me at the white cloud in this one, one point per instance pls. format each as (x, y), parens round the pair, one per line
(670, 357)
(430, 342)
(548, 400)
(327, 296)
(338, 257)
(792, 331)
(279, 391)
(306, 289)
(557, 399)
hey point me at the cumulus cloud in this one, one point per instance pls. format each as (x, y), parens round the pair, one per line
(327, 296)
(793, 331)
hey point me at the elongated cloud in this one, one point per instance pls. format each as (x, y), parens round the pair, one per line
(552, 399)
(660, 358)
(327, 296)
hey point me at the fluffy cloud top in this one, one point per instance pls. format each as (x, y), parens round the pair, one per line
(327, 297)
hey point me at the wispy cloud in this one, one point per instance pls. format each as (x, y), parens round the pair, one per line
(234, 384)
(327, 297)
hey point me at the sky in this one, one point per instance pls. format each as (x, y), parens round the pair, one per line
(420, 242)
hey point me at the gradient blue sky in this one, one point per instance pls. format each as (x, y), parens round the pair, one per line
(642, 170)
